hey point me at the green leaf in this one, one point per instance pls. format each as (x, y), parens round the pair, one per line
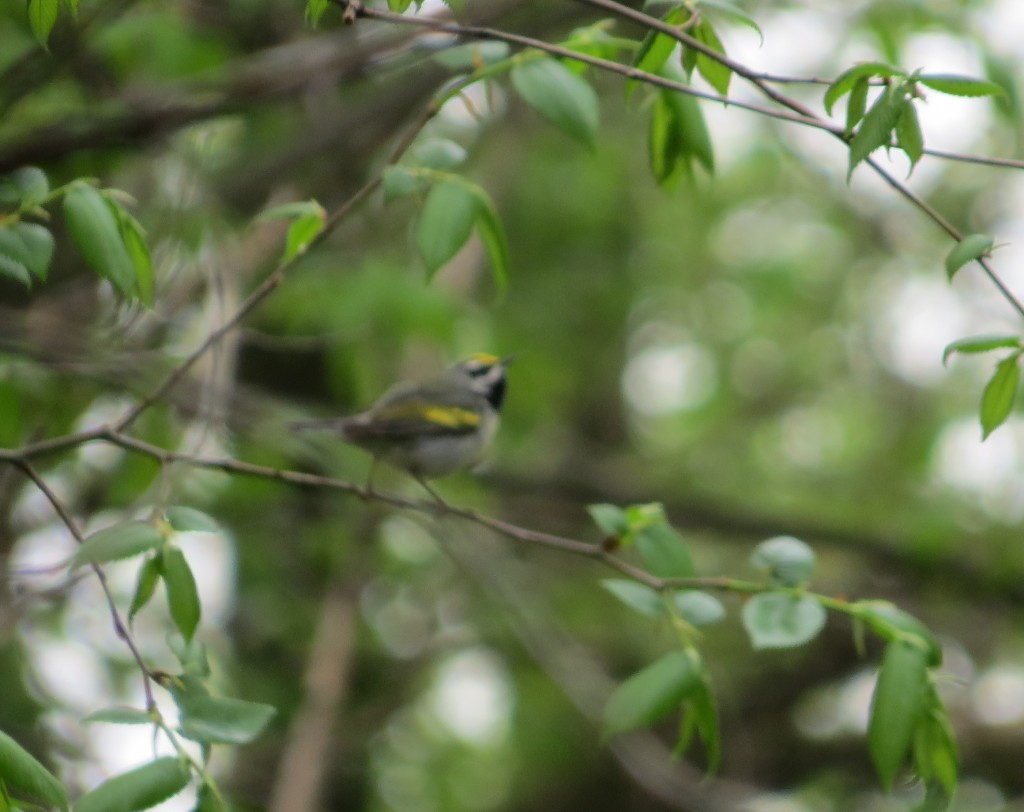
(288, 211)
(610, 519)
(689, 121)
(315, 10)
(688, 61)
(301, 233)
(437, 153)
(27, 184)
(6, 804)
(976, 344)
(936, 757)
(207, 800)
(145, 585)
(189, 520)
(308, 218)
(96, 233)
(878, 124)
(908, 135)
(781, 620)
(120, 716)
(15, 270)
(657, 47)
(890, 623)
(698, 608)
(28, 245)
(846, 80)
(700, 716)
(137, 789)
(24, 776)
(492, 235)
(398, 6)
(191, 654)
(857, 104)
(42, 14)
(734, 13)
(664, 552)
(220, 720)
(636, 596)
(787, 560)
(116, 542)
(652, 693)
(955, 85)
(595, 40)
(559, 95)
(398, 182)
(666, 148)
(970, 248)
(896, 707)
(133, 236)
(714, 72)
(182, 596)
(445, 223)
(999, 395)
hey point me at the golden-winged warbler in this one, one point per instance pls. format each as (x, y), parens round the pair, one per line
(429, 428)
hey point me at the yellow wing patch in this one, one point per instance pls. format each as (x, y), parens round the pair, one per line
(451, 417)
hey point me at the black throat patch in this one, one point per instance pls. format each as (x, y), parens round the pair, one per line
(496, 396)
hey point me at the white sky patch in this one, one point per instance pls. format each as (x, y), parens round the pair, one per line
(662, 380)
(1008, 227)
(998, 696)
(42, 549)
(917, 317)
(837, 710)
(472, 697)
(988, 472)
(817, 34)
(775, 231)
(1002, 26)
(948, 122)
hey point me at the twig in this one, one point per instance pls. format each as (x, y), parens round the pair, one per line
(120, 627)
(1010, 163)
(797, 112)
(481, 32)
(805, 112)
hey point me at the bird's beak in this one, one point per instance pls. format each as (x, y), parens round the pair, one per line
(508, 359)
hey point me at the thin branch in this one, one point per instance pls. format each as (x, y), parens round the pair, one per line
(535, 537)
(593, 551)
(949, 228)
(120, 627)
(805, 112)
(1009, 163)
(653, 23)
(481, 32)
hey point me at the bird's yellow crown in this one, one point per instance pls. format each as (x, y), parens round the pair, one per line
(484, 359)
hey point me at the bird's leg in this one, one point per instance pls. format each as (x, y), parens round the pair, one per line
(441, 503)
(368, 490)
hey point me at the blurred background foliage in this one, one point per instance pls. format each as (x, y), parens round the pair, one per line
(759, 350)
